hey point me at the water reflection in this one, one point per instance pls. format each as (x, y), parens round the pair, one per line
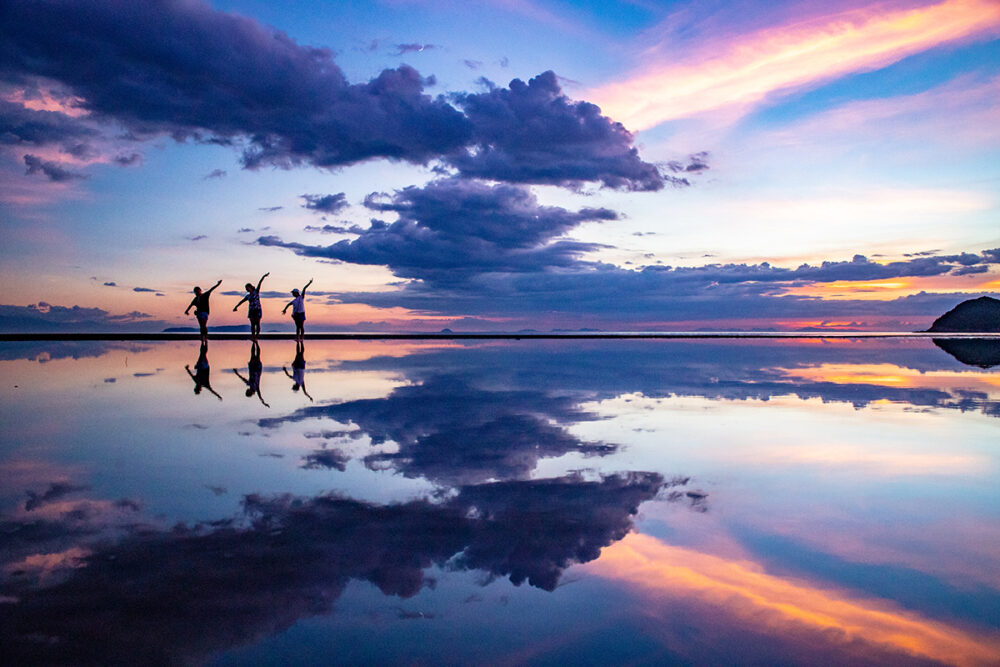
(202, 371)
(255, 367)
(759, 501)
(980, 352)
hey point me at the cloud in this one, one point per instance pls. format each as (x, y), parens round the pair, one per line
(202, 75)
(402, 49)
(47, 317)
(197, 237)
(215, 173)
(53, 170)
(532, 133)
(289, 558)
(473, 64)
(742, 70)
(326, 203)
(111, 284)
(266, 209)
(143, 289)
(452, 432)
(453, 229)
(21, 126)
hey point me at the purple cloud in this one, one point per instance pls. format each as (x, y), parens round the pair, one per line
(215, 173)
(52, 170)
(193, 73)
(402, 49)
(326, 203)
(453, 229)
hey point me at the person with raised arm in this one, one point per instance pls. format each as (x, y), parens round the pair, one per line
(254, 370)
(298, 310)
(200, 305)
(298, 374)
(202, 373)
(254, 310)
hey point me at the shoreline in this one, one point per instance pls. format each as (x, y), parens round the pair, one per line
(576, 335)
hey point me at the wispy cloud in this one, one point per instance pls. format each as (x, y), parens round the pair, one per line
(740, 72)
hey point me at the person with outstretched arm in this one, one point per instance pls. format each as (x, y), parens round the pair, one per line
(202, 373)
(298, 310)
(254, 370)
(200, 305)
(254, 310)
(298, 374)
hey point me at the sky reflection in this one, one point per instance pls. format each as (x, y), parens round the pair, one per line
(794, 499)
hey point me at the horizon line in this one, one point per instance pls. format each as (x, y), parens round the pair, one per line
(454, 335)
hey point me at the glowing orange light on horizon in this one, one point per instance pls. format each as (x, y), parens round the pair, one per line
(782, 606)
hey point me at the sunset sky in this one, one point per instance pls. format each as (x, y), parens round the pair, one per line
(500, 165)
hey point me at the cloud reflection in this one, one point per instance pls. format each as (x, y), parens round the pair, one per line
(185, 593)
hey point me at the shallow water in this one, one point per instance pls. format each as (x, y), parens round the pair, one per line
(752, 501)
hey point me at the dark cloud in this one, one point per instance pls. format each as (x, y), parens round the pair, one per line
(197, 237)
(334, 229)
(453, 229)
(143, 289)
(266, 209)
(43, 317)
(215, 173)
(56, 491)
(20, 126)
(54, 171)
(326, 203)
(128, 160)
(454, 433)
(532, 133)
(325, 459)
(182, 69)
(184, 594)
(473, 64)
(111, 284)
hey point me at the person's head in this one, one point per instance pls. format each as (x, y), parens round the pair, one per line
(197, 389)
(295, 387)
(197, 290)
(249, 392)
(295, 292)
(249, 287)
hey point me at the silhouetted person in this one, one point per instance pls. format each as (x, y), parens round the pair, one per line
(202, 370)
(298, 310)
(254, 311)
(254, 370)
(200, 305)
(298, 374)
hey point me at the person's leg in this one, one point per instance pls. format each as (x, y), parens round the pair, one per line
(203, 326)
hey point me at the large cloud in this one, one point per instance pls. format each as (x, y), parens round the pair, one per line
(181, 595)
(532, 133)
(454, 228)
(181, 68)
(47, 317)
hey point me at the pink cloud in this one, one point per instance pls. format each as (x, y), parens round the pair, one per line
(737, 72)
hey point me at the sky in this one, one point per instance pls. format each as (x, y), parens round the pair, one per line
(632, 165)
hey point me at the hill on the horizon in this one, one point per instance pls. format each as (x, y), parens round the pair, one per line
(980, 315)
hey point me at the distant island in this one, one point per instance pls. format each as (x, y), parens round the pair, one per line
(980, 315)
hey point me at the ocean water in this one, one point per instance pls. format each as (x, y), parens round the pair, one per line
(805, 501)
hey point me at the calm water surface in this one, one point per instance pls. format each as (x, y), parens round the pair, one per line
(524, 502)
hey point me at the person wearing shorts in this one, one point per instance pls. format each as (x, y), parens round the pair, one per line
(200, 305)
(254, 310)
(298, 310)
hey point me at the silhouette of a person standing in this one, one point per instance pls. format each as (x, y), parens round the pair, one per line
(200, 305)
(298, 374)
(254, 310)
(298, 310)
(255, 369)
(202, 371)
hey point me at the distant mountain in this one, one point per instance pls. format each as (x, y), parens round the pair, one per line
(980, 315)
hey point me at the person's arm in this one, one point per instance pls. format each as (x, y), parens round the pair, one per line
(240, 302)
(303, 385)
(214, 286)
(261, 281)
(286, 307)
(245, 381)
(290, 376)
(307, 285)
(266, 404)
(193, 303)
(209, 387)
(188, 369)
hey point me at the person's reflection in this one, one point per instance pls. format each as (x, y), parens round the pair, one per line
(254, 370)
(298, 374)
(202, 370)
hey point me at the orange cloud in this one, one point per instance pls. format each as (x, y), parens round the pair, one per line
(743, 71)
(786, 607)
